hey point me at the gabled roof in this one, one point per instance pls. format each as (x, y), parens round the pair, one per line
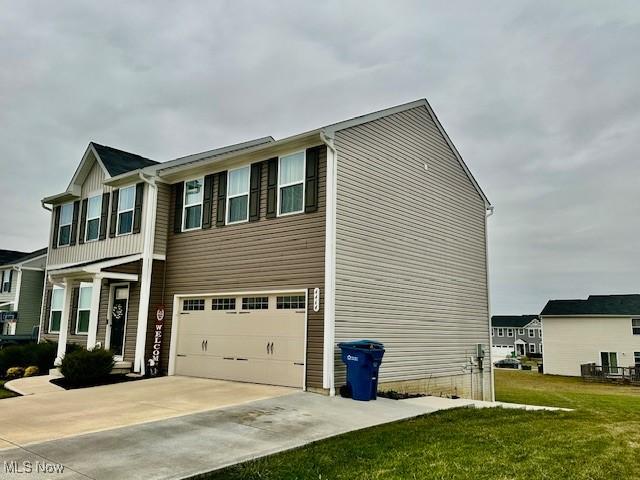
(117, 161)
(610, 305)
(10, 257)
(512, 321)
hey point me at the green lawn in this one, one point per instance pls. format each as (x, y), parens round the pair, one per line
(600, 440)
(4, 393)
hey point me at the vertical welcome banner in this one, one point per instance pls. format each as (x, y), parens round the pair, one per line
(156, 346)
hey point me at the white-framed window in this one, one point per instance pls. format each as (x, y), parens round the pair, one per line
(635, 326)
(500, 332)
(532, 332)
(291, 171)
(126, 204)
(84, 308)
(521, 331)
(5, 278)
(539, 348)
(636, 359)
(55, 317)
(609, 360)
(540, 332)
(238, 195)
(94, 210)
(192, 209)
(493, 332)
(64, 228)
(532, 348)
(509, 332)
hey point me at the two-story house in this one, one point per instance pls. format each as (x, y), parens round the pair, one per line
(602, 330)
(265, 255)
(21, 286)
(519, 335)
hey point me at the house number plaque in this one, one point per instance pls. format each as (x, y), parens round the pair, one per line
(316, 299)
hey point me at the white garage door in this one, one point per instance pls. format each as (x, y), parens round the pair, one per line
(249, 338)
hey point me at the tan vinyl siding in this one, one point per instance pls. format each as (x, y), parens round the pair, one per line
(162, 219)
(410, 249)
(30, 301)
(270, 254)
(102, 249)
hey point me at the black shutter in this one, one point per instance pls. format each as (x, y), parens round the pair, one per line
(113, 222)
(74, 222)
(254, 192)
(83, 220)
(178, 190)
(47, 310)
(311, 180)
(74, 310)
(207, 201)
(137, 209)
(104, 215)
(11, 280)
(56, 227)
(221, 204)
(272, 188)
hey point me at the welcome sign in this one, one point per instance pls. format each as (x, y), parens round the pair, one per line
(156, 346)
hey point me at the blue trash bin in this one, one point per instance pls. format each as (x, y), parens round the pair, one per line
(362, 358)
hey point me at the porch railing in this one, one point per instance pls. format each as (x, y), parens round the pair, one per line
(606, 373)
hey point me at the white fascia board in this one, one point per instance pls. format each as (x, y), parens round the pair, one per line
(97, 266)
(84, 167)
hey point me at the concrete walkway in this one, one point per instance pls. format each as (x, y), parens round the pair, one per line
(33, 385)
(192, 444)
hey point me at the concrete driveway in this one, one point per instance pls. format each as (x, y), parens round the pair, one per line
(59, 414)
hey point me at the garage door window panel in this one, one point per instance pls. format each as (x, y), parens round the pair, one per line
(291, 302)
(192, 213)
(255, 303)
(238, 195)
(223, 304)
(192, 305)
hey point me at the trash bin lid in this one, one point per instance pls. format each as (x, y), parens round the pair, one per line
(363, 345)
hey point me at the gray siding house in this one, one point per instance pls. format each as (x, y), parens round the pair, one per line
(21, 286)
(263, 256)
(519, 335)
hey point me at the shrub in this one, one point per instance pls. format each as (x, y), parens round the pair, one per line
(15, 372)
(86, 367)
(31, 371)
(41, 355)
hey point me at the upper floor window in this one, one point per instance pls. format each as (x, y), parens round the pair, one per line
(64, 230)
(509, 332)
(192, 214)
(635, 326)
(57, 299)
(493, 332)
(521, 331)
(500, 332)
(532, 332)
(5, 278)
(291, 183)
(92, 230)
(126, 202)
(238, 195)
(84, 308)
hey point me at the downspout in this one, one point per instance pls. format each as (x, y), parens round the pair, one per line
(46, 274)
(489, 212)
(328, 370)
(147, 268)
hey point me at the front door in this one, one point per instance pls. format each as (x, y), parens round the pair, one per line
(520, 349)
(119, 320)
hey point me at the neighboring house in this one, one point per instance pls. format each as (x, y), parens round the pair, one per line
(21, 285)
(603, 329)
(518, 335)
(267, 254)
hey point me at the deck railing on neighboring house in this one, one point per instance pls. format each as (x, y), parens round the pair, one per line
(604, 373)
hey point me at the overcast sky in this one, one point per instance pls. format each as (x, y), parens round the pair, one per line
(541, 98)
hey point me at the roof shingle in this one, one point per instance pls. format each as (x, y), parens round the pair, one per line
(595, 305)
(515, 321)
(118, 162)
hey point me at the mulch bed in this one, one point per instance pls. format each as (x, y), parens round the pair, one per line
(393, 395)
(110, 380)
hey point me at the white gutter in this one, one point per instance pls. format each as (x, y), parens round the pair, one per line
(489, 212)
(16, 298)
(328, 364)
(147, 268)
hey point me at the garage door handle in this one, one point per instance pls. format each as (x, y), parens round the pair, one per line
(206, 345)
(202, 346)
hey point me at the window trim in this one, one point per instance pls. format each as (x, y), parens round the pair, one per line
(493, 331)
(60, 225)
(132, 210)
(634, 327)
(531, 333)
(83, 285)
(185, 206)
(229, 197)
(500, 331)
(509, 330)
(636, 359)
(99, 218)
(304, 183)
(6, 272)
(521, 331)
(51, 310)
(532, 348)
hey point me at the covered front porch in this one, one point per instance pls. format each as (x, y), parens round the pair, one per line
(96, 305)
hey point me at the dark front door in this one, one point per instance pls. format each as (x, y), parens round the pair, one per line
(118, 320)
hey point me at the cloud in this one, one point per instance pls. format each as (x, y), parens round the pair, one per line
(541, 99)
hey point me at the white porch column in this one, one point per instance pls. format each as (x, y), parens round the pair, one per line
(95, 308)
(64, 322)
